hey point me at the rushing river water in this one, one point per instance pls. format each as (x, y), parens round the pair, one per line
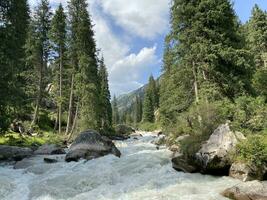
(143, 172)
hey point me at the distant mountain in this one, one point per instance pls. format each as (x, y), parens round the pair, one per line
(126, 100)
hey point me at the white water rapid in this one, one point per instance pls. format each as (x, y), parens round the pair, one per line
(143, 172)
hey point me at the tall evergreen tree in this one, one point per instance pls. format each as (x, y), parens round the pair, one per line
(151, 101)
(84, 59)
(14, 20)
(257, 35)
(137, 109)
(256, 30)
(204, 59)
(38, 49)
(115, 111)
(106, 109)
(58, 37)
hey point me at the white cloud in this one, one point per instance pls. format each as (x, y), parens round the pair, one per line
(127, 73)
(145, 18)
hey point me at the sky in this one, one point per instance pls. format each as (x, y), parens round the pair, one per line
(130, 34)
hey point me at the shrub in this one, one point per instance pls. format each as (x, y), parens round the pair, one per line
(148, 126)
(250, 114)
(253, 150)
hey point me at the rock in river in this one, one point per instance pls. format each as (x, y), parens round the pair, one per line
(213, 157)
(89, 145)
(49, 149)
(248, 172)
(12, 153)
(253, 190)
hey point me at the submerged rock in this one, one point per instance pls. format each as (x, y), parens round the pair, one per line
(160, 140)
(12, 153)
(89, 145)
(50, 160)
(49, 149)
(180, 163)
(246, 172)
(213, 157)
(253, 190)
(122, 129)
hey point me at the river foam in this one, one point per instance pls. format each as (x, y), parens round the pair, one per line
(143, 172)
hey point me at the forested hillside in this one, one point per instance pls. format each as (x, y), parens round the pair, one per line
(215, 71)
(52, 78)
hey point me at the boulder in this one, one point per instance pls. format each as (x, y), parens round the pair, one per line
(253, 190)
(49, 149)
(174, 148)
(213, 157)
(17, 127)
(180, 163)
(246, 172)
(181, 138)
(12, 153)
(50, 160)
(89, 145)
(160, 140)
(122, 129)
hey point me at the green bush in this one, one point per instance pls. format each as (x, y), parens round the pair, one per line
(14, 139)
(250, 115)
(199, 122)
(253, 150)
(147, 126)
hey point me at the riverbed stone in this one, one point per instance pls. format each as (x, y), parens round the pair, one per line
(180, 163)
(49, 149)
(12, 153)
(213, 157)
(89, 145)
(253, 190)
(247, 172)
(123, 129)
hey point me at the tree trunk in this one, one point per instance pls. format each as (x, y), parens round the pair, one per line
(74, 121)
(70, 105)
(56, 122)
(39, 95)
(195, 82)
(60, 92)
(196, 90)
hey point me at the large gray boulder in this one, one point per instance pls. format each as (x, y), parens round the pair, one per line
(123, 129)
(12, 153)
(49, 149)
(253, 190)
(213, 157)
(181, 163)
(89, 145)
(247, 172)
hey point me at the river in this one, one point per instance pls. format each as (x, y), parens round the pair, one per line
(143, 172)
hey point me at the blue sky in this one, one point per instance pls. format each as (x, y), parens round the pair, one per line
(130, 34)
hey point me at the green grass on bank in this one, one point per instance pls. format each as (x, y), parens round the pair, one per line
(147, 126)
(15, 139)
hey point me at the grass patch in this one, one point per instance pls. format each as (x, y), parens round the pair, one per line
(14, 139)
(147, 126)
(253, 150)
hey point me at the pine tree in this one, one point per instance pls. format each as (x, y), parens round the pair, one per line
(38, 48)
(256, 32)
(115, 111)
(58, 37)
(204, 60)
(14, 20)
(106, 109)
(84, 60)
(137, 109)
(257, 35)
(151, 100)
